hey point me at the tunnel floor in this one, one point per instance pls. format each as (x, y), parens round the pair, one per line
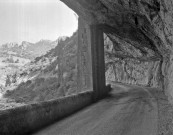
(128, 110)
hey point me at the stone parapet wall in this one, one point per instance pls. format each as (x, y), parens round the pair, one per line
(29, 118)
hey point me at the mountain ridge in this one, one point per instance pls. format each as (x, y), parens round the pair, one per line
(13, 56)
(49, 76)
(29, 50)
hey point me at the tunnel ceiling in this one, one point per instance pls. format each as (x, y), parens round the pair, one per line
(140, 23)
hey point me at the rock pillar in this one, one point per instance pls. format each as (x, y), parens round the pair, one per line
(98, 61)
(84, 62)
(91, 64)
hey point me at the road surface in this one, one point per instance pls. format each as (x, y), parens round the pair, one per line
(128, 110)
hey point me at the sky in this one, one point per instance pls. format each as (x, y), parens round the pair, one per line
(33, 20)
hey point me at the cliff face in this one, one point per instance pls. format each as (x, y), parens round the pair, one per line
(144, 25)
(124, 64)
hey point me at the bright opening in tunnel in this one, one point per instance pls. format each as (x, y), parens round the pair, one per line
(33, 20)
(38, 51)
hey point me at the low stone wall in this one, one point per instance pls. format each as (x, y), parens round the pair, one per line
(27, 119)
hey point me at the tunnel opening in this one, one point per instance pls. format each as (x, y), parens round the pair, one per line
(53, 85)
(134, 47)
(51, 69)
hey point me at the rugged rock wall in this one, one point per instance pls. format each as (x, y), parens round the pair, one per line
(145, 25)
(127, 69)
(134, 72)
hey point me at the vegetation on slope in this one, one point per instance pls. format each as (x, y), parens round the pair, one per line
(49, 76)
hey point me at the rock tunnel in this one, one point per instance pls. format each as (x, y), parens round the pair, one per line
(140, 32)
(128, 41)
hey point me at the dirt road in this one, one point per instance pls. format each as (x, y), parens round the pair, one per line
(129, 110)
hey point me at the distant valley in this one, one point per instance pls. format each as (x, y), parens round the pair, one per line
(14, 56)
(45, 76)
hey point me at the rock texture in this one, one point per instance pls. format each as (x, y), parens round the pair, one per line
(125, 64)
(145, 25)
